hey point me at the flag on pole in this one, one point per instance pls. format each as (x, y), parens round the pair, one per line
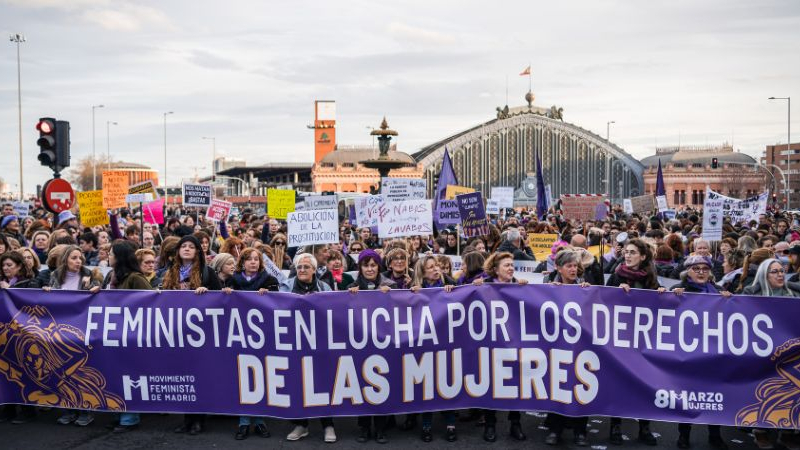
(527, 71)
(541, 193)
(446, 176)
(660, 190)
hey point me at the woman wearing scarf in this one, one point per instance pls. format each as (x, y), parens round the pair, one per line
(369, 278)
(397, 268)
(636, 271)
(471, 268)
(429, 275)
(188, 271)
(15, 273)
(303, 283)
(224, 265)
(39, 244)
(336, 265)
(732, 269)
(697, 278)
(567, 267)
(499, 268)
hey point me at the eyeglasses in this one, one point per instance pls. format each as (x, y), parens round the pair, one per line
(280, 243)
(777, 272)
(304, 267)
(781, 252)
(356, 249)
(698, 269)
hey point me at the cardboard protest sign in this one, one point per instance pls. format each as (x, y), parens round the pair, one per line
(398, 189)
(309, 227)
(139, 198)
(145, 187)
(627, 206)
(153, 212)
(504, 196)
(92, 212)
(320, 202)
(453, 190)
(367, 210)
(115, 188)
(581, 206)
(219, 210)
(274, 270)
(643, 203)
(406, 218)
(196, 195)
(473, 216)
(280, 202)
(541, 244)
(492, 206)
(661, 202)
(21, 209)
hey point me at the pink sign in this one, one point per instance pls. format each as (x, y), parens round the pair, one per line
(219, 210)
(154, 212)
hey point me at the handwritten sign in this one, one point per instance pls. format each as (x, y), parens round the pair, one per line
(473, 216)
(145, 187)
(196, 195)
(453, 190)
(274, 270)
(492, 206)
(642, 203)
(627, 206)
(368, 210)
(504, 196)
(541, 244)
(320, 202)
(219, 210)
(91, 208)
(309, 227)
(21, 209)
(406, 218)
(139, 198)
(280, 202)
(661, 201)
(398, 189)
(115, 188)
(581, 206)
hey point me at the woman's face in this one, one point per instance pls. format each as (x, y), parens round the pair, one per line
(188, 221)
(505, 270)
(633, 258)
(356, 248)
(480, 246)
(702, 248)
(432, 271)
(2, 247)
(112, 260)
(724, 248)
(204, 245)
(27, 256)
(369, 270)
(148, 264)
(776, 275)
(102, 255)
(415, 242)
(228, 268)
(451, 240)
(335, 264)
(305, 271)
(252, 263)
(102, 238)
(74, 261)
(568, 272)
(187, 252)
(10, 268)
(40, 241)
(699, 273)
(399, 264)
(445, 266)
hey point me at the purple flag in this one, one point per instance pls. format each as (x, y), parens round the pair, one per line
(473, 215)
(660, 190)
(541, 195)
(445, 212)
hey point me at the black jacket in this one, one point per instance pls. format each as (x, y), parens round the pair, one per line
(519, 254)
(262, 280)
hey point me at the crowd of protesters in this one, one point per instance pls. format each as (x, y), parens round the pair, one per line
(188, 252)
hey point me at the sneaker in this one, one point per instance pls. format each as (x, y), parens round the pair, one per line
(84, 419)
(616, 435)
(789, 440)
(761, 438)
(330, 435)
(363, 435)
(298, 433)
(646, 436)
(451, 434)
(380, 437)
(67, 418)
(119, 429)
(581, 440)
(242, 432)
(427, 434)
(552, 438)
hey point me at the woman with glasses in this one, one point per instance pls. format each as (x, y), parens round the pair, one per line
(397, 268)
(353, 251)
(336, 265)
(147, 265)
(303, 283)
(279, 255)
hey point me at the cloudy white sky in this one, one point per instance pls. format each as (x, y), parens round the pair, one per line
(248, 72)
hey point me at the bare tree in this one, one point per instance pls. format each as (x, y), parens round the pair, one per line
(80, 174)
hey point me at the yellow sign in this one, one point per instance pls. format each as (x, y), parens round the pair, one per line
(280, 202)
(91, 208)
(115, 188)
(595, 250)
(453, 190)
(145, 187)
(541, 244)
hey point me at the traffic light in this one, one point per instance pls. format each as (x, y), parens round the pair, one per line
(714, 163)
(53, 143)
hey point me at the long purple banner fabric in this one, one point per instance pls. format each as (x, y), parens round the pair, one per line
(576, 351)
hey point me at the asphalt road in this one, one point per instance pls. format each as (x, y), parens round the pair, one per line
(155, 432)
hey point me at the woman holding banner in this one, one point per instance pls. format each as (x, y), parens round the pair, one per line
(499, 268)
(224, 265)
(568, 265)
(303, 283)
(397, 268)
(336, 266)
(188, 271)
(369, 278)
(636, 271)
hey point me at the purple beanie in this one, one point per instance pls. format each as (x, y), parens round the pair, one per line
(368, 254)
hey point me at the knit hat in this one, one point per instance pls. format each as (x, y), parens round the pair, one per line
(196, 243)
(695, 260)
(368, 254)
(64, 216)
(7, 220)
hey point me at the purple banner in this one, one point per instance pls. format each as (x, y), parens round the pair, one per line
(577, 351)
(473, 216)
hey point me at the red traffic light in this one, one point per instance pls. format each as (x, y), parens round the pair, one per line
(45, 126)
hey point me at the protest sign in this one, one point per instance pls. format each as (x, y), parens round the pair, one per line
(320, 202)
(717, 206)
(643, 204)
(453, 190)
(153, 212)
(196, 195)
(367, 210)
(581, 206)
(473, 216)
(447, 212)
(661, 202)
(144, 187)
(548, 195)
(504, 196)
(397, 189)
(138, 198)
(541, 244)
(115, 188)
(492, 206)
(274, 270)
(90, 205)
(280, 202)
(320, 226)
(21, 209)
(219, 210)
(627, 206)
(405, 218)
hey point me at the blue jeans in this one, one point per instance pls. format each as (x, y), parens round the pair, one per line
(128, 419)
(247, 420)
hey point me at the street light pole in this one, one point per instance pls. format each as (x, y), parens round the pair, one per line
(213, 154)
(108, 143)
(608, 161)
(19, 38)
(94, 156)
(165, 151)
(788, 146)
(608, 129)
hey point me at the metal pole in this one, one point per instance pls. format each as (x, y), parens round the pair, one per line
(166, 197)
(788, 148)
(18, 38)
(108, 143)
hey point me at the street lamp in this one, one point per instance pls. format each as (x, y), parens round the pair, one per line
(108, 143)
(788, 145)
(18, 38)
(165, 151)
(213, 155)
(608, 129)
(94, 156)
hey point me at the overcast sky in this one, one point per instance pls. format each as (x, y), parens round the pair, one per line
(248, 72)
